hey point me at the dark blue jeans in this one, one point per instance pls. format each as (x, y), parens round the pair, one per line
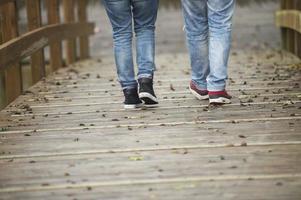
(123, 14)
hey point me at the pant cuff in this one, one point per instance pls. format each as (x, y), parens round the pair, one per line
(216, 89)
(128, 85)
(145, 76)
(200, 86)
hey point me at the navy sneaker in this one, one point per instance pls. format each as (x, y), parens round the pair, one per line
(146, 92)
(199, 94)
(219, 97)
(132, 100)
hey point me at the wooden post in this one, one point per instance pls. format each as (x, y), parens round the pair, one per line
(298, 35)
(13, 75)
(34, 21)
(2, 91)
(84, 40)
(283, 30)
(53, 14)
(289, 4)
(2, 78)
(69, 17)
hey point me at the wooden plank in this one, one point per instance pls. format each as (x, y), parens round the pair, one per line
(179, 100)
(139, 122)
(167, 105)
(56, 54)
(82, 17)
(69, 17)
(267, 189)
(129, 168)
(167, 101)
(178, 86)
(107, 80)
(35, 21)
(103, 97)
(13, 77)
(149, 138)
(79, 77)
(29, 43)
(60, 93)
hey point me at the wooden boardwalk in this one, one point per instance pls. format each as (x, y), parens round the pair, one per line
(68, 137)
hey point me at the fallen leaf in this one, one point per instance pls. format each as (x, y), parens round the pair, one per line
(171, 87)
(136, 158)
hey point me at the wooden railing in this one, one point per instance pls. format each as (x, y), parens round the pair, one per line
(15, 47)
(289, 19)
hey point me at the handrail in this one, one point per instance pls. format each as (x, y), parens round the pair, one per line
(27, 44)
(288, 18)
(15, 47)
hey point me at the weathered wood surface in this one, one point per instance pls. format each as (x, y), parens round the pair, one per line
(68, 137)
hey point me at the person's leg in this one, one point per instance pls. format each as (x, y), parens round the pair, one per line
(196, 27)
(220, 14)
(120, 15)
(145, 15)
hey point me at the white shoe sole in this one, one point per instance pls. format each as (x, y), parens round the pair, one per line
(148, 96)
(221, 100)
(133, 107)
(198, 96)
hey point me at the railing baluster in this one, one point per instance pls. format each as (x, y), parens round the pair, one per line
(34, 21)
(2, 76)
(69, 17)
(14, 48)
(13, 75)
(84, 40)
(53, 15)
(290, 33)
(283, 30)
(298, 35)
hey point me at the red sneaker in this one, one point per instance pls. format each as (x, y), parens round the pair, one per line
(219, 97)
(199, 94)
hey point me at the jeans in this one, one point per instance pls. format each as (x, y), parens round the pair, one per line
(123, 14)
(208, 26)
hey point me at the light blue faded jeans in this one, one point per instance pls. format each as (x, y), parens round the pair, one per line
(123, 14)
(208, 26)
